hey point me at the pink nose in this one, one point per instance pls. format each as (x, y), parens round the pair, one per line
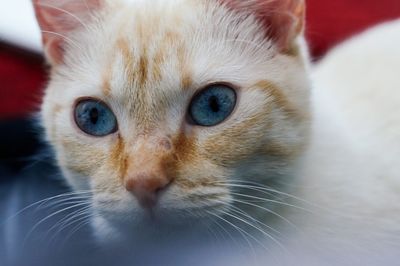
(147, 188)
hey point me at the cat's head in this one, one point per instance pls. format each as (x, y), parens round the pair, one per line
(163, 107)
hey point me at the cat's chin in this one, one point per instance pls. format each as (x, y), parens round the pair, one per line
(111, 229)
(147, 233)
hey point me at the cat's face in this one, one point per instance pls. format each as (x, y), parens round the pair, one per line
(157, 106)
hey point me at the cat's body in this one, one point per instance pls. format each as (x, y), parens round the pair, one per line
(353, 165)
(157, 166)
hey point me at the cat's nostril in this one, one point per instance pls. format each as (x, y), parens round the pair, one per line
(147, 189)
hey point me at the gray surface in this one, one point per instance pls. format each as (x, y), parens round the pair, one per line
(18, 245)
(44, 247)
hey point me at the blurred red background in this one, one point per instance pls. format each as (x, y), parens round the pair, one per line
(22, 74)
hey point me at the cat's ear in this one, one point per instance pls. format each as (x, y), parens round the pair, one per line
(57, 19)
(283, 19)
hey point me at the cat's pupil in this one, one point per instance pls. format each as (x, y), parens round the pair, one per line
(214, 105)
(94, 115)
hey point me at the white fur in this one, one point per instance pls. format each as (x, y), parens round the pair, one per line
(352, 168)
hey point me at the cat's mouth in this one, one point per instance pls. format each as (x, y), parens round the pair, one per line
(170, 207)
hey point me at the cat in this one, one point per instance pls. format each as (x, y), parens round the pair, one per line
(180, 113)
(156, 106)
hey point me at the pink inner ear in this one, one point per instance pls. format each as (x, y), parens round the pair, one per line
(283, 19)
(57, 19)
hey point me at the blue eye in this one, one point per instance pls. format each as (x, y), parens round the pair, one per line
(95, 118)
(213, 105)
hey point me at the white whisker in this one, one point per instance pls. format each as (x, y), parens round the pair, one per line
(258, 186)
(80, 225)
(62, 202)
(212, 232)
(259, 189)
(85, 220)
(241, 232)
(70, 195)
(64, 222)
(258, 229)
(271, 201)
(245, 214)
(48, 217)
(224, 230)
(43, 201)
(267, 210)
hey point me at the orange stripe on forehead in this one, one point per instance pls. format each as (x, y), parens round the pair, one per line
(136, 76)
(169, 39)
(122, 48)
(184, 68)
(158, 60)
(142, 69)
(128, 56)
(143, 31)
(106, 86)
(138, 73)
